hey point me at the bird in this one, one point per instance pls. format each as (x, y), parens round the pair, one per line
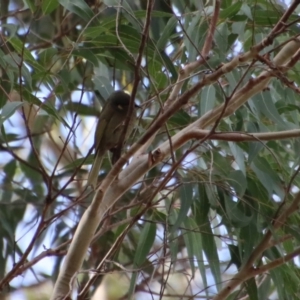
(109, 130)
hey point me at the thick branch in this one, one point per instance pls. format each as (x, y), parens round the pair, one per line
(243, 136)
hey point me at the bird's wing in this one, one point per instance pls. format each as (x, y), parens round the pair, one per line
(100, 130)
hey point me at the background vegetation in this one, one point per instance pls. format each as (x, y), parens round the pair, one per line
(204, 203)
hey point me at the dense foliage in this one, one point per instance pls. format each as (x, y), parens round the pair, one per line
(204, 201)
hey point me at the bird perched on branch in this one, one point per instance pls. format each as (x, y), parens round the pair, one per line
(110, 128)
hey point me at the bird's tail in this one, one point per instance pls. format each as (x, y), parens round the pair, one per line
(93, 176)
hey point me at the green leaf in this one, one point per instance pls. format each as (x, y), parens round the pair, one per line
(165, 35)
(221, 38)
(264, 103)
(196, 30)
(234, 214)
(95, 32)
(158, 78)
(145, 243)
(251, 288)
(239, 157)
(186, 199)
(154, 14)
(181, 118)
(48, 6)
(31, 5)
(208, 99)
(192, 240)
(235, 256)
(47, 107)
(238, 181)
(88, 55)
(254, 149)
(239, 29)
(15, 65)
(266, 17)
(250, 236)
(9, 170)
(20, 48)
(231, 11)
(264, 288)
(174, 247)
(278, 282)
(78, 7)
(46, 56)
(11, 31)
(247, 11)
(77, 163)
(8, 110)
(201, 210)
(81, 109)
(103, 86)
(32, 175)
(267, 176)
(169, 65)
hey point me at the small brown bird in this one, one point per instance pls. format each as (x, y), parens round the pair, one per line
(109, 129)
